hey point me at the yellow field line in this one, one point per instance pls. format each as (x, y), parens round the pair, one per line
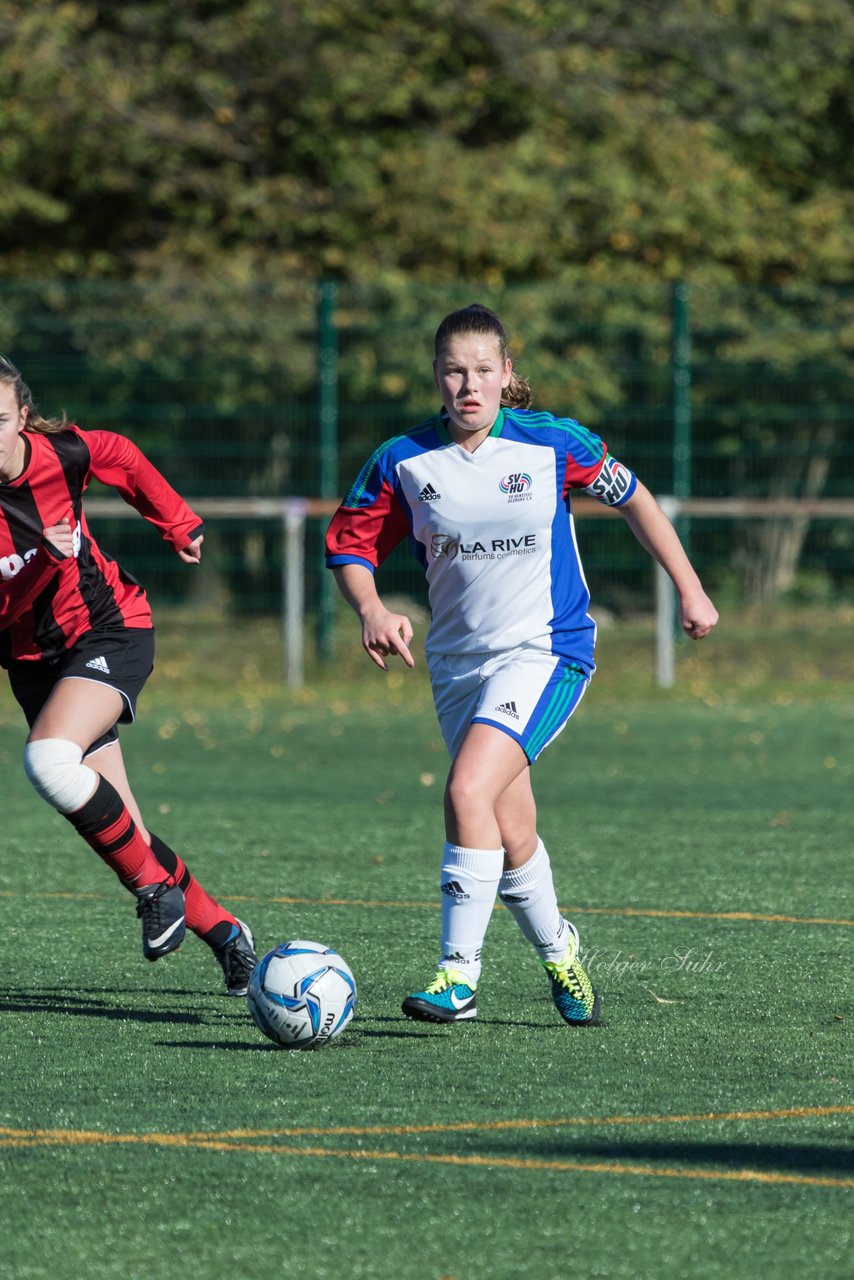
(487, 1126)
(96, 1136)
(706, 915)
(644, 912)
(653, 912)
(484, 1162)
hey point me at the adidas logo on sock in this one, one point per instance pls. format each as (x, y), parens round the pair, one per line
(428, 494)
(99, 664)
(508, 709)
(454, 889)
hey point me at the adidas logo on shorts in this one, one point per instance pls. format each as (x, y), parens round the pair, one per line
(99, 664)
(428, 494)
(508, 709)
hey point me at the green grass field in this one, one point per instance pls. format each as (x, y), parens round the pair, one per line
(701, 840)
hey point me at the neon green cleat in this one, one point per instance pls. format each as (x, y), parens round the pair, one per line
(448, 998)
(572, 991)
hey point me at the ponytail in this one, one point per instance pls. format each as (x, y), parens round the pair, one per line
(518, 395)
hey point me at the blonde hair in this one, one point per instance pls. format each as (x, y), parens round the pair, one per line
(478, 319)
(35, 422)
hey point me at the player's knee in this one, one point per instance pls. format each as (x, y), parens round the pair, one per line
(465, 794)
(53, 766)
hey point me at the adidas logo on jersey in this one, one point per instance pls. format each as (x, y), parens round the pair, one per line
(508, 709)
(99, 664)
(428, 494)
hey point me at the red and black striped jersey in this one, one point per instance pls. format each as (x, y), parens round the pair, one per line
(46, 603)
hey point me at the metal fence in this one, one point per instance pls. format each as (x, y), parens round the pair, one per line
(283, 391)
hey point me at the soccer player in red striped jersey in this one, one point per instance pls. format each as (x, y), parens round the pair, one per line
(483, 492)
(77, 640)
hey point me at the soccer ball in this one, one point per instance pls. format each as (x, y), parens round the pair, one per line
(302, 995)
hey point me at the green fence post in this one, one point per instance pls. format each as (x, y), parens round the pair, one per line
(327, 359)
(680, 364)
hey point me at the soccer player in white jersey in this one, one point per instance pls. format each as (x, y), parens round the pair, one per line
(482, 490)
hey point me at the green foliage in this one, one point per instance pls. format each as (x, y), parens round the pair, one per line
(174, 179)
(500, 140)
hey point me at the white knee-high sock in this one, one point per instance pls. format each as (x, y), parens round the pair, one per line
(469, 883)
(528, 893)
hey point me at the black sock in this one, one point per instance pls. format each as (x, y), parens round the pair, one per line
(169, 860)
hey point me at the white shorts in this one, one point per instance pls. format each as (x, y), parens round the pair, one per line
(527, 693)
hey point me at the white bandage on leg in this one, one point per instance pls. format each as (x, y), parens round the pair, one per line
(53, 766)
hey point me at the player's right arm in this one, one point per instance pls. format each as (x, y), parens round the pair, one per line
(383, 632)
(367, 526)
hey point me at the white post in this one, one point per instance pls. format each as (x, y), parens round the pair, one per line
(293, 589)
(665, 613)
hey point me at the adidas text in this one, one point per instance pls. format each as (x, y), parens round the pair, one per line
(508, 709)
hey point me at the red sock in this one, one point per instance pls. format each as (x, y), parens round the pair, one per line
(107, 827)
(204, 914)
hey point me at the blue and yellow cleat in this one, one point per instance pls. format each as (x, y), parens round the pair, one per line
(448, 998)
(572, 991)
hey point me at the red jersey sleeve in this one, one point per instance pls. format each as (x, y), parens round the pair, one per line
(366, 534)
(589, 466)
(614, 484)
(117, 461)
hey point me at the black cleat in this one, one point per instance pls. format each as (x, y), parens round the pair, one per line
(238, 959)
(160, 907)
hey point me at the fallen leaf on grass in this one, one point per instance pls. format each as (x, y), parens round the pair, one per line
(660, 999)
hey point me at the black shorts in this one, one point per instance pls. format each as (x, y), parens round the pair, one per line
(122, 659)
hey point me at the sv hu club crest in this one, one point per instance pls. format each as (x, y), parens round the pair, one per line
(517, 482)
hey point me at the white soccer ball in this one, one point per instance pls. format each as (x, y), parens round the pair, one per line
(302, 995)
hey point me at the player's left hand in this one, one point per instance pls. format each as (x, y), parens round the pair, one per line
(192, 554)
(698, 616)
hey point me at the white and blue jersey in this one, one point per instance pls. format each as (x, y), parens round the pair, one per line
(493, 529)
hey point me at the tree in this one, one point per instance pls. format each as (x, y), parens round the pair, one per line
(222, 155)
(500, 140)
